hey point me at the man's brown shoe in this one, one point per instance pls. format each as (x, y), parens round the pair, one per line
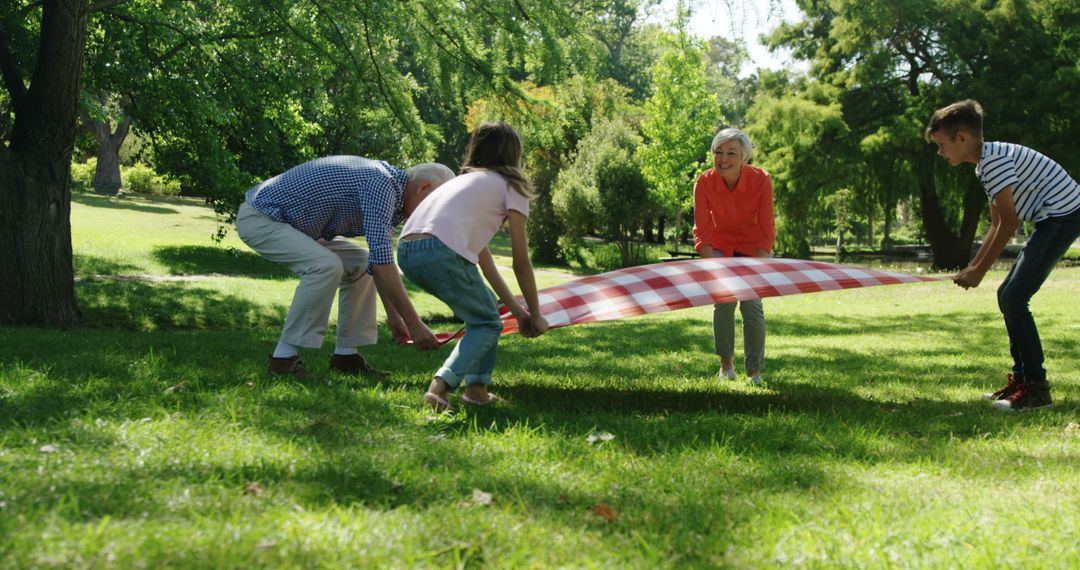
(293, 366)
(355, 364)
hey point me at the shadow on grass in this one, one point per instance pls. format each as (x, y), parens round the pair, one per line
(145, 306)
(114, 203)
(89, 265)
(202, 260)
(787, 436)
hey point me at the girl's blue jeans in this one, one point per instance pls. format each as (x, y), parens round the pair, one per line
(455, 281)
(1047, 244)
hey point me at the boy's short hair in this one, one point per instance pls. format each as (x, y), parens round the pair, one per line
(966, 115)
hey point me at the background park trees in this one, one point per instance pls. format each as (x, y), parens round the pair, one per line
(888, 65)
(223, 94)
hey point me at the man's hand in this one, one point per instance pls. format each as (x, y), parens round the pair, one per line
(969, 277)
(398, 329)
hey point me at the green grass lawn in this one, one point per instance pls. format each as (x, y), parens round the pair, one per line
(150, 436)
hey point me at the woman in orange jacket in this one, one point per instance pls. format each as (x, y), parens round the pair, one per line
(733, 217)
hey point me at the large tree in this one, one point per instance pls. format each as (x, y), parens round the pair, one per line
(229, 92)
(895, 61)
(682, 116)
(37, 283)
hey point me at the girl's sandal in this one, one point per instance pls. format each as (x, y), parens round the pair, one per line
(492, 398)
(436, 402)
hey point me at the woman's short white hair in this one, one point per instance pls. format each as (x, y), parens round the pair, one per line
(733, 134)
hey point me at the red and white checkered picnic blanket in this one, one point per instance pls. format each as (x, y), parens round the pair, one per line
(693, 283)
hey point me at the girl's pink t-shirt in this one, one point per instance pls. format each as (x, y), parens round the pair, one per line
(465, 212)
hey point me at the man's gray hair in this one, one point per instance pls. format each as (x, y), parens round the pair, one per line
(733, 134)
(432, 172)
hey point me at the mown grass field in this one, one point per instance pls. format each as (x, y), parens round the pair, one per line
(150, 437)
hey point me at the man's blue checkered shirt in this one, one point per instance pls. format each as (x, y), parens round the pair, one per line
(338, 196)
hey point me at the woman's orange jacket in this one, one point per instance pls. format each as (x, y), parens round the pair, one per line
(734, 221)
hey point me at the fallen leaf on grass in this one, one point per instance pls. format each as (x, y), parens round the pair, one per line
(50, 448)
(265, 545)
(481, 498)
(1072, 427)
(180, 387)
(254, 489)
(605, 512)
(249, 384)
(601, 436)
(562, 499)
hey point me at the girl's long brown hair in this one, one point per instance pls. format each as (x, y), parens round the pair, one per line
(496, 146)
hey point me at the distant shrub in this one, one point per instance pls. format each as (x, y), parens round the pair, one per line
(142, 179)
(82, 175)
(607, 257)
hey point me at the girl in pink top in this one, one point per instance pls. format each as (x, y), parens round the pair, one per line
(447, 236)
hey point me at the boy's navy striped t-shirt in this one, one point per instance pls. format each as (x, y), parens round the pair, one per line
(1041, 187)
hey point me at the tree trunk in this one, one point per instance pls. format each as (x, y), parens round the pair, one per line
(107, 177)
(870, 225)
(37, 280)
(950, 249)
(660, 230)
(886, 241)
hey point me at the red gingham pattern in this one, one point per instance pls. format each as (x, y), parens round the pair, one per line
(693, 283)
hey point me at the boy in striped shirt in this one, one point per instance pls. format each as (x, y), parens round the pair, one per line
(1022, 184)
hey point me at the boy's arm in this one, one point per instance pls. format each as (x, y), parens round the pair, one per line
(991, 233)
(1003, 224)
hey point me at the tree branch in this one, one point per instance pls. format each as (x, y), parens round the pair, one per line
(104, 4)
(9, 67)
(378, 71)
(521, 9)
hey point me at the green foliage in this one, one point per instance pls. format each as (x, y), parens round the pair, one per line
(681, 118)
(841, 204)
(791, 135)
(142, 179)
(607, 257)
(552, 121)
(890, 64)
(82, 175)
(604, 189)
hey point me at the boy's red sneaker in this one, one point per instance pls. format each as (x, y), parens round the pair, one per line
(1008, 390)
(1028, 396)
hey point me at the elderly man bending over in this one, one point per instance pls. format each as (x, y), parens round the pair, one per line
(301, 217)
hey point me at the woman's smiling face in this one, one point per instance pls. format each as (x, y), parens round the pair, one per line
(728, 158)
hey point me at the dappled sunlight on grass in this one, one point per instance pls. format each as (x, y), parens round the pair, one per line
(152, 435)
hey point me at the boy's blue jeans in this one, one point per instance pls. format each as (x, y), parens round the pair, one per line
(455, 281)
(1048, 243)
